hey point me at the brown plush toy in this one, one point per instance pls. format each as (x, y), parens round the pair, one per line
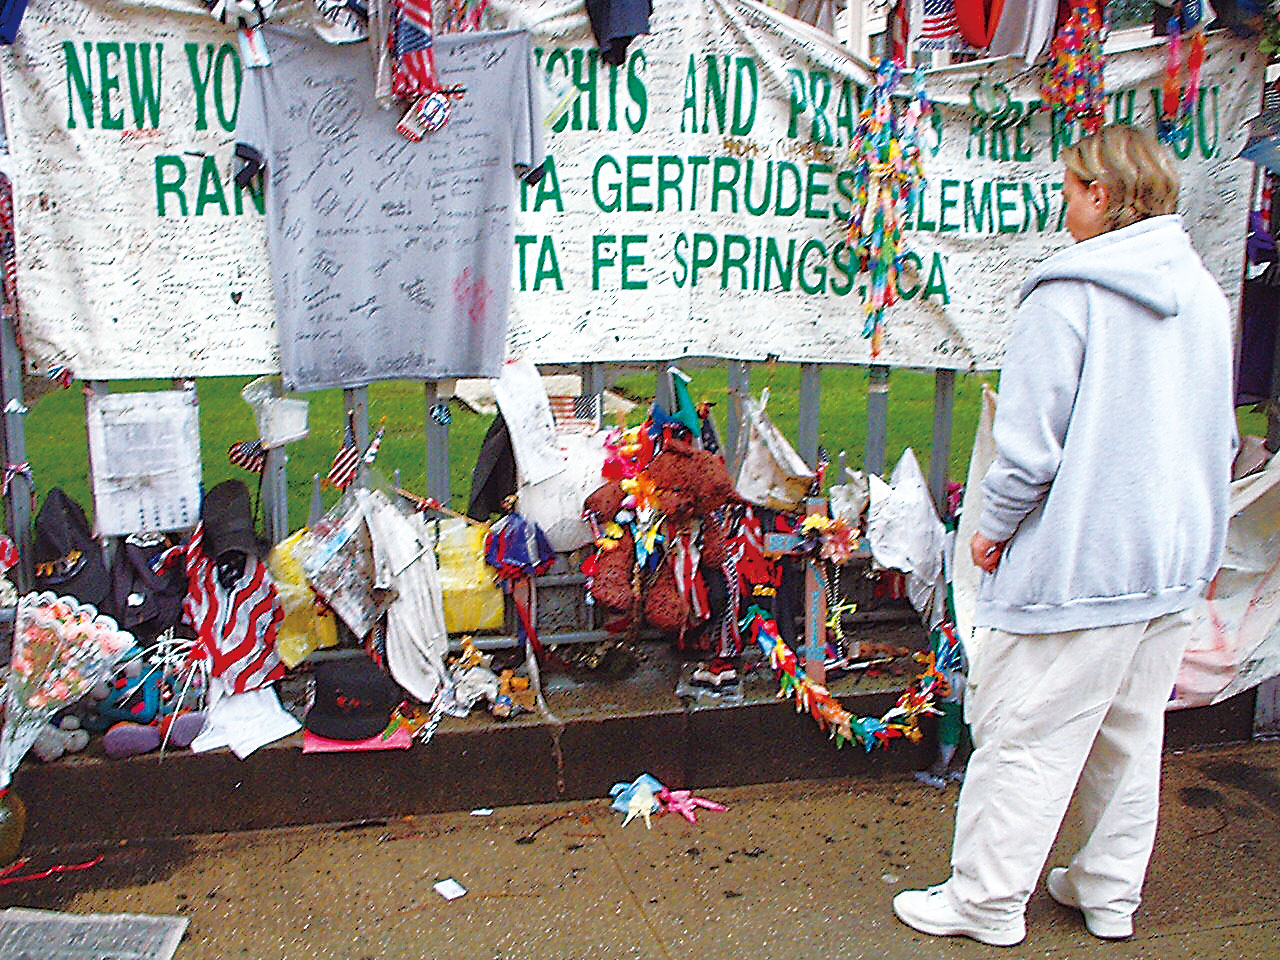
(611, 585)
(714, 488)
(689, 482)
(664, 607)
(714, 547)
(605, 501)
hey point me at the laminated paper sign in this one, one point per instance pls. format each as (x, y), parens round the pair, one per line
(144, 454)
(692, 203)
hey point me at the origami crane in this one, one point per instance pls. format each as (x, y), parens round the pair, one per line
(686, 804)
(637, 798)
(641, 804)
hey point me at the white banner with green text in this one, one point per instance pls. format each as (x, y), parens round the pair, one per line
(692, 206)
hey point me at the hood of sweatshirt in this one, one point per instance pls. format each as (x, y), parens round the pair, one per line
(1144, 261)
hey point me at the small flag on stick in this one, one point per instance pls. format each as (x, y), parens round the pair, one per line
(343, 469)
(248, 454)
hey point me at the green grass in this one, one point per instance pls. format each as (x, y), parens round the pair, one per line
(58, 452)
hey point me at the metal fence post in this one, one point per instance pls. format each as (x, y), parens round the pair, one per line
(877, 418)
(593, 385)
(355, 401)
(810, 408)
(21, 489)
(739, 390)
(437, 445)
(663, 394)
(275, 495)
(944, 398)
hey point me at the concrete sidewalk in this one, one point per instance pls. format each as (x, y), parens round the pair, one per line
(793, 870)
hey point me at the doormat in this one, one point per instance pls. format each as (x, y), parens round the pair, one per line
(49, 935)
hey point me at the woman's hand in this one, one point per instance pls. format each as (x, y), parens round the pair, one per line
(986, 553)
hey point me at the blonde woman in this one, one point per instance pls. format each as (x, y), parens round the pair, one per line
(1105, 513)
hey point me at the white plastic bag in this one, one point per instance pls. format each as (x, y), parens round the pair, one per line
(906, 534)
(771, 474)
(555, 504)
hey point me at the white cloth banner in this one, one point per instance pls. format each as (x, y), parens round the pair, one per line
(691, 207)
(1233, 640)
(138, 257)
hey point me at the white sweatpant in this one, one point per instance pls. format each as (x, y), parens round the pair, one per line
(1049, 712)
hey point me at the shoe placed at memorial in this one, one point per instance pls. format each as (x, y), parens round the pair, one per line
(181, 728)
(1104, 924)
(718, 673)
(930, 911)
(126, 739)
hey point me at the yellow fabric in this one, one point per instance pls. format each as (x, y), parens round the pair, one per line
(303, 629)
(472, 598)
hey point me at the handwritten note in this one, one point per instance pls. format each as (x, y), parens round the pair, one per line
(525, 407)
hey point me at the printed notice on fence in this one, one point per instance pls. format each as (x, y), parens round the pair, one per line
(144, 453)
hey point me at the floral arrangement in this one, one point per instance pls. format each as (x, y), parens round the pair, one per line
(61, 649)
(829, 538)
(901, 720)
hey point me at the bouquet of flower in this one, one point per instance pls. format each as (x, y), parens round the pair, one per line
(61, 648)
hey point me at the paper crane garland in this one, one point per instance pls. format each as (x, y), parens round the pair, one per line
(1073, 84)
(1177, 104)
(887, 180)
(902, 720)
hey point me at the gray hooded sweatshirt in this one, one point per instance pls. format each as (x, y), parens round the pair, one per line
(1114, 437)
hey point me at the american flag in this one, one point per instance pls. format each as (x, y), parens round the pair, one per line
(235, 628)
(343, 469)
(374, 444)
(576, 414)
(248, 454)
(414, 70)
(938, 26)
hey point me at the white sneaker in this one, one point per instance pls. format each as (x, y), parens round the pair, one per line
(930, 911)
(1104, 924)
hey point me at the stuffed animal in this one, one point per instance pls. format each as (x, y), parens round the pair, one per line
(55, 740)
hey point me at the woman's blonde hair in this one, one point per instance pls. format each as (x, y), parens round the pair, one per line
(1135, 167)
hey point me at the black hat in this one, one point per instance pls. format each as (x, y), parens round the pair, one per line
(67, 558)
(228, 520)
(354, 700)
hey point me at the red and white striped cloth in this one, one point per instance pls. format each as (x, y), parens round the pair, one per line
(688, 578)
(8, 554)
(236, 628)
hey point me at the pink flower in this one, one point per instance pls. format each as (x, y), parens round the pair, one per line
(117, 641)
(59, 690)
(38, 699)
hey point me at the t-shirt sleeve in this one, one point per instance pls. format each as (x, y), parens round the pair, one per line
(529, 148)
(251, 127)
